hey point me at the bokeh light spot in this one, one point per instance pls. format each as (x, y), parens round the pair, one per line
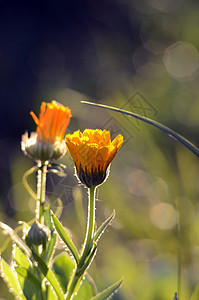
(163, 216)
(181, 61)
(158, 32)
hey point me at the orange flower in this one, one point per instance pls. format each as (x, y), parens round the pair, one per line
(47, 142)
(92, 152)
(53, 121)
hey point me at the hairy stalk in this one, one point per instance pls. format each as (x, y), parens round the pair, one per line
(41, 191)
(41, 194)
(87, 246)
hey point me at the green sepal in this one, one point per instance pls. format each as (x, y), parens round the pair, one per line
(10, 277)
(48, 273)
(57, 172)
(65, 237)
(105, 294)
(101, 229)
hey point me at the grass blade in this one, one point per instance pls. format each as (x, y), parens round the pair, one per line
(167, 130)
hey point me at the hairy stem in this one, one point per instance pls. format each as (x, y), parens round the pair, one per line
(87, 246)
(41, 191)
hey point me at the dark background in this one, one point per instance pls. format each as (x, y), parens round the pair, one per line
(140, 55)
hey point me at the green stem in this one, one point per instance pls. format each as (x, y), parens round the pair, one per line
(90, 227)
(41, 195)
(41, 191)
(25, 181)
(88, 243)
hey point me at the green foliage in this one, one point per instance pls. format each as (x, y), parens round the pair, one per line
(63, 267)
(10, 276)
(47, 272)
(50, 247)
(101, 229)
(65, 237)
(105, 294)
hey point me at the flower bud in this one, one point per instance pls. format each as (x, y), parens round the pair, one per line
(36, 235)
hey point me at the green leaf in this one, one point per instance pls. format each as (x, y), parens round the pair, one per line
(27, 274)
(10, 277)
(195, 295)
(64, 236)
(105, 294)
(29, 283)
(20, 258)
(50, 294)
(50, 247)
(170, 132)
(47, 272)
(101, 229)
(63, 267)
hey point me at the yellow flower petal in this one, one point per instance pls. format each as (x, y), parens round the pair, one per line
(92, 152)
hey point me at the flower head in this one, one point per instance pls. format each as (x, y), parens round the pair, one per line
(47, 142)
(92, 152)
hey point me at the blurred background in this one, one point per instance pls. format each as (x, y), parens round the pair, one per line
(138, 55)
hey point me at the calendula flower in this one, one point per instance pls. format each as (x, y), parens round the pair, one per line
(47, 142)
(92, 152)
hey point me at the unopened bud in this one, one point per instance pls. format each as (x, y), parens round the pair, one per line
(36, 235)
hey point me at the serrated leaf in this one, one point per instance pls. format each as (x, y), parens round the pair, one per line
(195, 295)
(65, 237)
(47, 272)
(63, 267)
(105, 294)
(103, 227)
(11, 279)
